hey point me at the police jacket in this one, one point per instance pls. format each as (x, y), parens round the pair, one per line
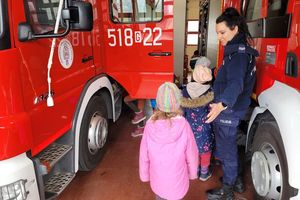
(236, 76)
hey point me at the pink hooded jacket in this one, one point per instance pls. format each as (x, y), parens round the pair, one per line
(168, 157)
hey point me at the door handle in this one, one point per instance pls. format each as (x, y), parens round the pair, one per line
(86, 59)
(160, 54)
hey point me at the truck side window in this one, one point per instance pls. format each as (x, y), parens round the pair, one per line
(4, 26)
(277, 8)
(122, 11)
(41, 15)
(130, 11)
(253, 10)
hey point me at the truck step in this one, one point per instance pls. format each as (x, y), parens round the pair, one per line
(57, 183)
(53, 154)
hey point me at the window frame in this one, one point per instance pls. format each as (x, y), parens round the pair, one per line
(264, 27)
(48, 28)
(192, 32)
(5, 40)
(284, 12)
(133, 14)
(245, 4)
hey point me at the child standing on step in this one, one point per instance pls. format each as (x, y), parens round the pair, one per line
(168, 151)
(195, 103)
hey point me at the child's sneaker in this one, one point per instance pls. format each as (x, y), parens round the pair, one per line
(138, 132)
(205, 177)
(138, 117)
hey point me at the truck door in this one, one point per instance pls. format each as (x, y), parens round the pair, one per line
(138, 42)
(71, 68)
(292, 67)
(269, 24)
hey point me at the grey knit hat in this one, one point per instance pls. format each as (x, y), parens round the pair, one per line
(204, 61)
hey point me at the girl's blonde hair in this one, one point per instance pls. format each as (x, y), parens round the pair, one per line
(158, 114)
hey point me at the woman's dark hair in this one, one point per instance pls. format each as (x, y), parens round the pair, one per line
(232, 18)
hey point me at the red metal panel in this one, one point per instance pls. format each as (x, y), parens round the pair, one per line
(129, 63)
(15, 130)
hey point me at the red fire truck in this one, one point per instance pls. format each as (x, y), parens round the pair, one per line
(274, 126)
(65, 65)
(105, 48)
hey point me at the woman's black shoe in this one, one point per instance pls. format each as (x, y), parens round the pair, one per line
(239, 186)
(223, 193)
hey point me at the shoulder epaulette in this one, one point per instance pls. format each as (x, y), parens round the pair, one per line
(239, 48)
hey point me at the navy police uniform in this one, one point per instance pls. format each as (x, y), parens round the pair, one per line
(233, 87)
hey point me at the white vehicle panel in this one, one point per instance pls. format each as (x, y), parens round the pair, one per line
(283, 102)
(20, 168)
(296, 197)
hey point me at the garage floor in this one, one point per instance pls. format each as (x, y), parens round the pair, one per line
(116, 177)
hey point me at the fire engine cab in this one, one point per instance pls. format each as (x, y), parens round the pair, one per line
(65, 65)
(274, 126)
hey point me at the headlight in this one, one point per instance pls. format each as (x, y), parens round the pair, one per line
(13, 191)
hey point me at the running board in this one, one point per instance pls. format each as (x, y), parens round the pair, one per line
(53, 154)
(56, 184)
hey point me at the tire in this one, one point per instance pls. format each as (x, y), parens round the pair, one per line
(268, 164)
(93, 134)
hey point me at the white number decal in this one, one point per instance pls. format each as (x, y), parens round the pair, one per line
(128, 37)
(155, 43)
(138, 36)
(147, 37)
(110, 34)
(120, 37)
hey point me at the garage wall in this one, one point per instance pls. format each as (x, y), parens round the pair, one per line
(179, 37)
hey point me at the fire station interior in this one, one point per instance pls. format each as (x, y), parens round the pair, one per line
(68, 133)
(117, 176)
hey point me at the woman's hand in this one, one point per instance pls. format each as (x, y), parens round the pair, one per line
(215, 110)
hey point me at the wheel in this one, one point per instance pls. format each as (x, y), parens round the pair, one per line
(93, 133)
(268, 164)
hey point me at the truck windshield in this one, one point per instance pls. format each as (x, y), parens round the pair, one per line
(41, 15)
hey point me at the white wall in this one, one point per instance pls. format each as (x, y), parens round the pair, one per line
(179, 36)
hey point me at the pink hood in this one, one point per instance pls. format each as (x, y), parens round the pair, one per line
(166, 131)
(168, 157)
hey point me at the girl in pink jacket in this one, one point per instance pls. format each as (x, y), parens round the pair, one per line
(168, 151)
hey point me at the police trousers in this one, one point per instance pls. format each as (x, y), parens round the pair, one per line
(225, 130)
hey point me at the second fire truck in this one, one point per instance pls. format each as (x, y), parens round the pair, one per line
(274, 126)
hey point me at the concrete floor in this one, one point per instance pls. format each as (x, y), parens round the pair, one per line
(116, 177)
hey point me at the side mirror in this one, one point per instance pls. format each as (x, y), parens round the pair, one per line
(77, 17)
(81, 16)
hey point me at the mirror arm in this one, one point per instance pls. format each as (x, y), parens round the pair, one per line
(66, 32)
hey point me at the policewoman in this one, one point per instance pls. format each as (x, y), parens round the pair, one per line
(232, 89)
